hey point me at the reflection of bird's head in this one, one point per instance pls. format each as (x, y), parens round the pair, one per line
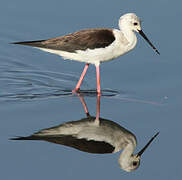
(131, 164)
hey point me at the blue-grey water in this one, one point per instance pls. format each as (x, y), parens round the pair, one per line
(142, 89)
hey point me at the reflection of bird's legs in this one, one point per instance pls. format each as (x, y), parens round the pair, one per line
(81, 79)
(98, 108)
(84, 105)
(97, 120)
(98, 80)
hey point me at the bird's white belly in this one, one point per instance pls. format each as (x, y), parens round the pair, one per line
(119, 47)
(93, 56)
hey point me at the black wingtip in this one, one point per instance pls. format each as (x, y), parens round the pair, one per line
(13, 43)
(20, 43)
(25, 138)
(18, 138)
(21, 138)
(29, 43)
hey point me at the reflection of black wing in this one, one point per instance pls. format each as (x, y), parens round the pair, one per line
(85, 145)
(82, 40)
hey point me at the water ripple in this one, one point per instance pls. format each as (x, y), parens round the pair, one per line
(21, 82)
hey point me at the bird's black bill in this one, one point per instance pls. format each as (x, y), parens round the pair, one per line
(145, 37)
(145, 147)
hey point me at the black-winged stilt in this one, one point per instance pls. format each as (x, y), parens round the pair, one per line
(94, 46)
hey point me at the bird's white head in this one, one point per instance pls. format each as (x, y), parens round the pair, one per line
(130, 162)
(130, 21)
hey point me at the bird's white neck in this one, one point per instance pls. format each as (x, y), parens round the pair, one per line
(129, 34)
(125, 156)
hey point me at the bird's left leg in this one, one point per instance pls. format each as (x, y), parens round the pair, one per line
(81, 78)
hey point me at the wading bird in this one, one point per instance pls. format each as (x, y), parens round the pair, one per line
(94, 46)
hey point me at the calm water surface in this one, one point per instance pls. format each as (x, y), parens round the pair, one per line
(142, 91)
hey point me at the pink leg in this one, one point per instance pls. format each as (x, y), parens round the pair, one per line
(98, 108)
(98, 80)
(81, 78)
(84, 105)
(98, 93)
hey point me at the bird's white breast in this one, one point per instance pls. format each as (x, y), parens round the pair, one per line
(120, 46)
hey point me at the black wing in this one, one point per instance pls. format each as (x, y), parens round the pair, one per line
(82, 40)
(90, 146)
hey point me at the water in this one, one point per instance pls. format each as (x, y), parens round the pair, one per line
(142, 91)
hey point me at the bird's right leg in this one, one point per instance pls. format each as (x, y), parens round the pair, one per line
(81, 79)
(98, 80)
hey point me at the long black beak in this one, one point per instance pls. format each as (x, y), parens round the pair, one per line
(145, 147)
(145, 37)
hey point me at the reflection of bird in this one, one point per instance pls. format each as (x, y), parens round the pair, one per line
(94, 46)
(93, 136)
